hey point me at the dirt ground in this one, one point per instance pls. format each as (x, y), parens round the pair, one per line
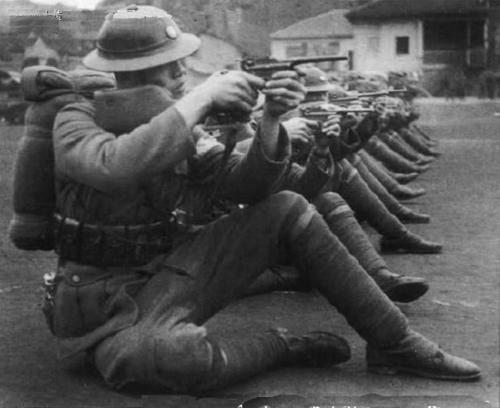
(460, 312)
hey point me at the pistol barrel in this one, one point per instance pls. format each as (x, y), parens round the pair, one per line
(323, 114)
(324, 58)
(265, 64)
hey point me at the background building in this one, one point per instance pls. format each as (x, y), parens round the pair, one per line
(326, 34)
(454, 45)
(443, 40)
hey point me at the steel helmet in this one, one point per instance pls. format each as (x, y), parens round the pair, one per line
(137, 38)
(316, 80)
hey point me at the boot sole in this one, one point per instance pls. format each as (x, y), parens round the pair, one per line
(408, 197)
(393, 370)
(403, 250)
(407, 292)
(405, 221)
(400, 181)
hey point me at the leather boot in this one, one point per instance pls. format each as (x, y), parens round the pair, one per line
(401, 288)
(315, 349)
(434, 153)
(404, 178)
(415, 138)
(407, 193)
(409, 243)
(407, 216)
(428, 140)
(417, 355)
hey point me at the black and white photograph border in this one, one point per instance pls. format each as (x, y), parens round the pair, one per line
(447, 51)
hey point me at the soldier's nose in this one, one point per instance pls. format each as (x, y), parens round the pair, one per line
(179, 69)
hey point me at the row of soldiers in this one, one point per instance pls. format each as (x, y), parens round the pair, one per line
(371, 169)
(165, 205)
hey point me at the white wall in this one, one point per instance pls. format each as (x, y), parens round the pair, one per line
(314, 47)
(375, 47)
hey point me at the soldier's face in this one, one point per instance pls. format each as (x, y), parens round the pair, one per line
(171, 76)
(316, 97)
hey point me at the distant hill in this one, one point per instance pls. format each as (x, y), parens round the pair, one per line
(12, 5)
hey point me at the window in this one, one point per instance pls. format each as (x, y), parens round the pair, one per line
(333, 48)
(324, 48)
(402, 45)
(298, 50)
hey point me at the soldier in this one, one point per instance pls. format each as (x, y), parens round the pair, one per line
(137, 278)
(370, 202)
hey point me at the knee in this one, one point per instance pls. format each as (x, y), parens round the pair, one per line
(176, 360)
(329, 200)
(332, 205)
(288, 202)
(294, 213)
(288, 197)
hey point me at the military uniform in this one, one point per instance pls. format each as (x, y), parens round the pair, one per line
(147, 317)
(137, 279)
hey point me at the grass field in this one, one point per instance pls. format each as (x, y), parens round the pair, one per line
(460, 311)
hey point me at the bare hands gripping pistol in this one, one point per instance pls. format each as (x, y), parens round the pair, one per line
(218, 123)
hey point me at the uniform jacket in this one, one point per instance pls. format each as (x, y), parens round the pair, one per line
(136, 177)
(114, 179)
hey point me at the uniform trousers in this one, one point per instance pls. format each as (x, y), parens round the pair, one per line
(167, 345)
(394, 161)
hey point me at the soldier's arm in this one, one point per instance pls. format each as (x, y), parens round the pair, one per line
(310, 179)
(86, 153)
(251, 177)
(242, 177)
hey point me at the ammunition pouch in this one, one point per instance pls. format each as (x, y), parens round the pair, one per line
(113, 246)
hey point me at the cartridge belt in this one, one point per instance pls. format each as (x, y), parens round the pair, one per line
(112, 245)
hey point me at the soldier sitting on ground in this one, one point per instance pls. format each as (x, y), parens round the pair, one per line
(137, 278)
(347, 181)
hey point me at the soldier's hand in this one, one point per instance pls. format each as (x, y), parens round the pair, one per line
(233, 90)
(300, 130)
(284, 92)
(330, 130)
(332, 126)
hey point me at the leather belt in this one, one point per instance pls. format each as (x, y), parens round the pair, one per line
(112, 245)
